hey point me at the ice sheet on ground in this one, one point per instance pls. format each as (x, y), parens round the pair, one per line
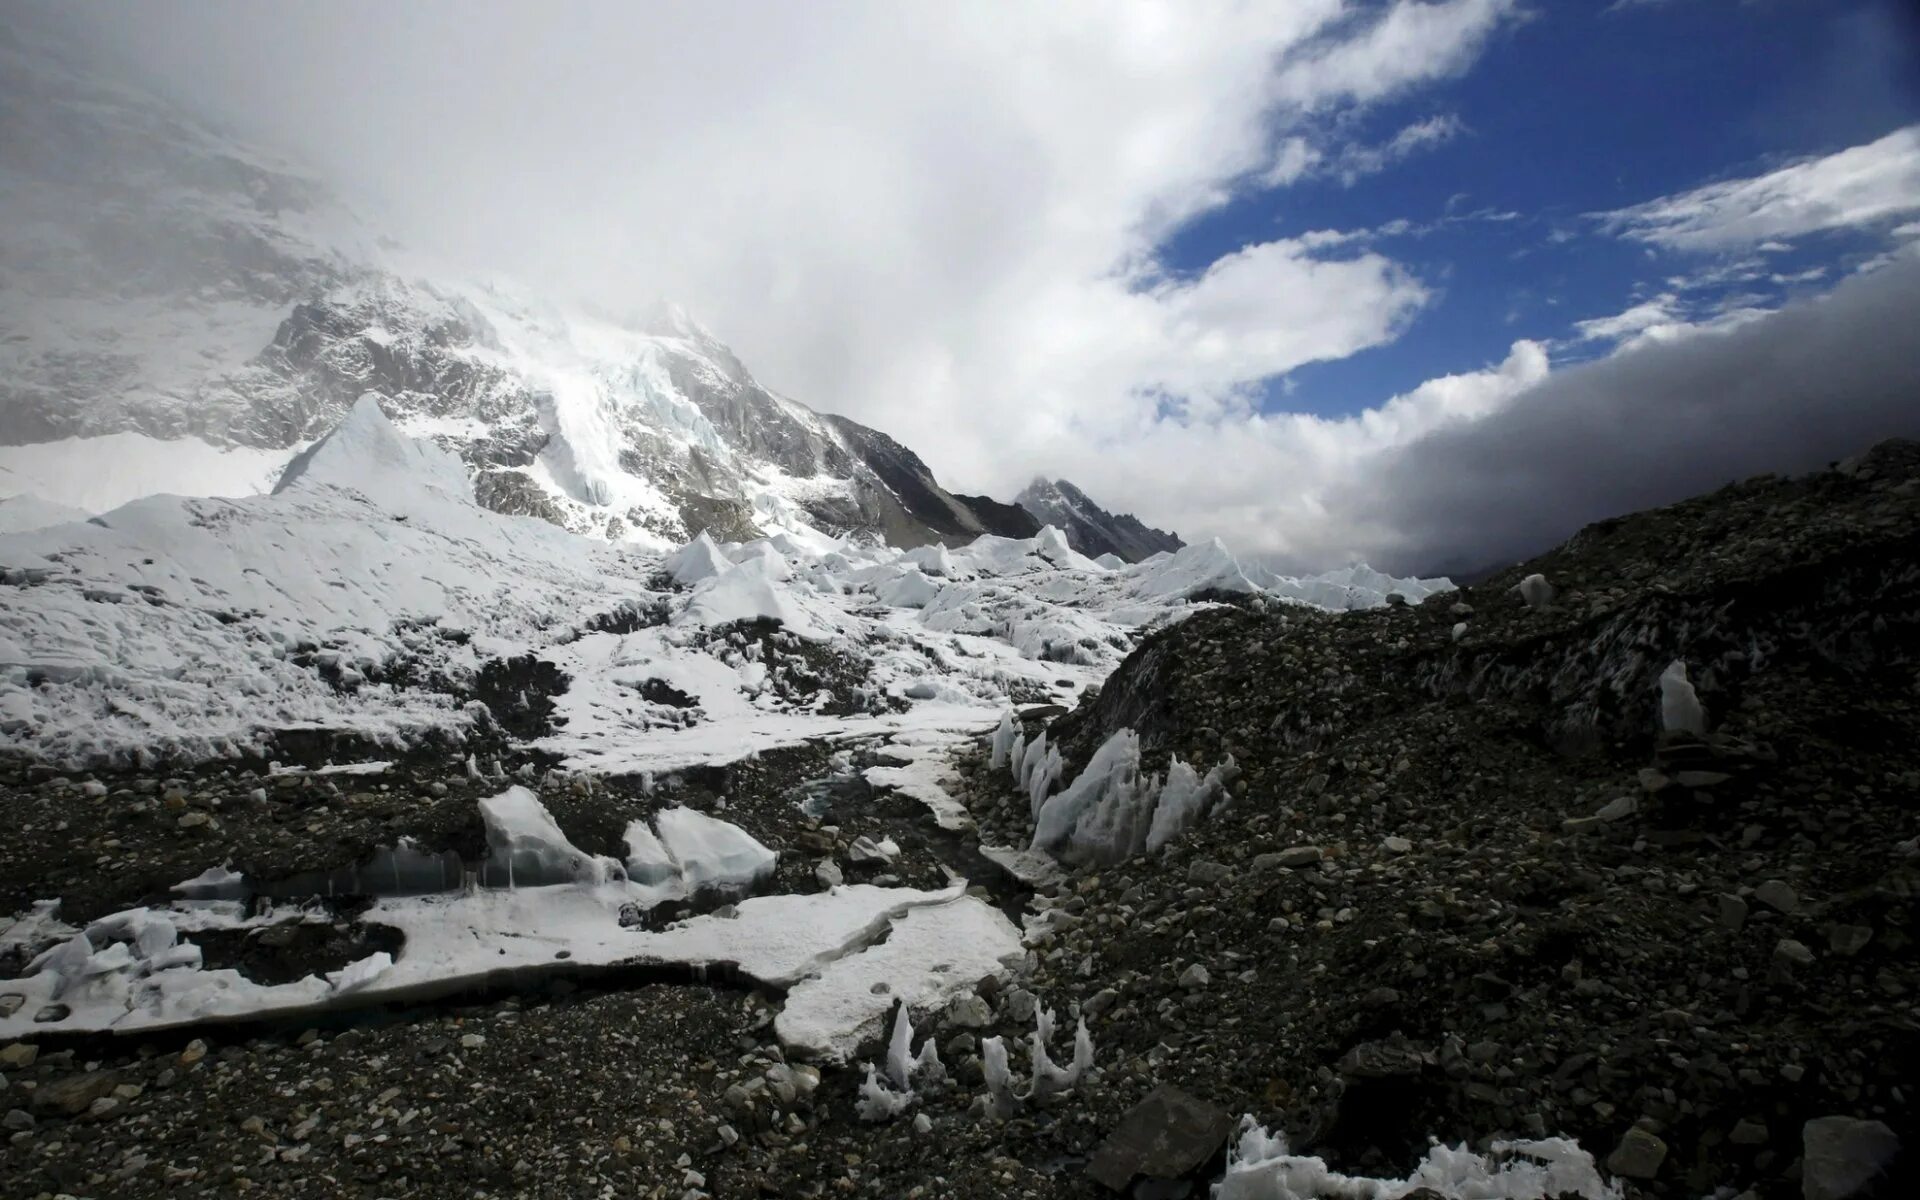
(452, 941)
(934, 953)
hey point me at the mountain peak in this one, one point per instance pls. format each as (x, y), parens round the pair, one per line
(1090, 529)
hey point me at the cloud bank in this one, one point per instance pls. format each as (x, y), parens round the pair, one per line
(1791, 391)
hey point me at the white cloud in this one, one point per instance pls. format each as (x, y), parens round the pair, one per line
(1355, 162)
(1648, 314)
(939, 219)
(1413, 42)
(1856, 187)
(1262, 480)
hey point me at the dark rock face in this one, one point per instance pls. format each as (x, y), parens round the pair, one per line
(1165, 1137)
(1090, 529)
(1475, 888)
(911, 492)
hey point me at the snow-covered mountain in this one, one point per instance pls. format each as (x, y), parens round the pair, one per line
(1093, 530)
(165, 289)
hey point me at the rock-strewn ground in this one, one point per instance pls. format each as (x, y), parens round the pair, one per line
(1465, 889)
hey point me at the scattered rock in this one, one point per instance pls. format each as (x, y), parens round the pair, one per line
(1166, 1136)
(1638, 1156)
(1843, 1156)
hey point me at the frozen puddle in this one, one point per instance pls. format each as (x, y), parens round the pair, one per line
(562, 910)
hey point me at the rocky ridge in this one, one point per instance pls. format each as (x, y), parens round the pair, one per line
(1090, 529)
(1468, 888)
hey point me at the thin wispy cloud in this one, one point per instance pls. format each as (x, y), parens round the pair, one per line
(1857, 187)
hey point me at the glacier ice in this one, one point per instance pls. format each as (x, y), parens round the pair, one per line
(1050, 1079)
(1003, 736)
(884, 1096)
(1112, 811)
(525, 848)
(1680, 707)
(712, 853)
(1260, 1166)
(1535, 590)
(697, 561)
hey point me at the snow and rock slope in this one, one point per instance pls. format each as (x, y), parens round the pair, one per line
(1491, 871)
(166, 289)
(1093, 530)
(369, 596)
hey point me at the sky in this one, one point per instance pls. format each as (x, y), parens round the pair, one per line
(1265, 272)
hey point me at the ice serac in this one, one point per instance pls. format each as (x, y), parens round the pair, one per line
(1093, 530)
(366, 454)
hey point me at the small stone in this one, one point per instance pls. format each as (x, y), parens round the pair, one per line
(194, 820)
(1397, 845)
(1843, 1156)
(1777, 895)
(1790, 953)
(1207, 873)
(18, 1054)
(105, 1106)
(1848, 940)
(829, 874)
(1638, 1156)
(1298, 856)
(1733, 912)
(472, 1041)
(969, 1012)
(1700, 779)
(195, 1051)
(17, 1119)
(1748, 1133)
(922, 1123)
(1618, 809)
(1100, 1002)
(73, 1095)
(729, 1135)
(1164, 1137)
(1195, 978)
(1020, 1005)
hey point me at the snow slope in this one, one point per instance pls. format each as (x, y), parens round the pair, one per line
(365, 593)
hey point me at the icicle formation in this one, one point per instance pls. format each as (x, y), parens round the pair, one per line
(1260, 1167)
(1112, 812)
(882, 1099)
(1680, 709)
(1048, 1078)
(1003, 739)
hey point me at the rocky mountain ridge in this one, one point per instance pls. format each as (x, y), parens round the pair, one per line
(1092, 530)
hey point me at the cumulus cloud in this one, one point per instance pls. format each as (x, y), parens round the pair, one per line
(1858, 186)
(1794, 390)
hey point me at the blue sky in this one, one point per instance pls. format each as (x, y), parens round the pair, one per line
(1582, 107)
